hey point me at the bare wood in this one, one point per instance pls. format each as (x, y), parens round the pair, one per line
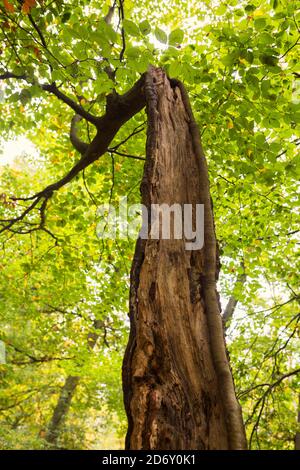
(178, 387)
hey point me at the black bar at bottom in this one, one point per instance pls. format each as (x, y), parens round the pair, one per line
(136, 459)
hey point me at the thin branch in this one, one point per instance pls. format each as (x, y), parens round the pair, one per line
(91, 195)
(11, 222)
(271, 352)
(7, 75)
(270, 385)
(33, 359)
(46, 230)
(135, 131)
(17, 403)
(256, 425)
(276, 307)
(298, 29)
(290, 48)
(296, 142)
(225, 179)
(109, 15)
(112, 178)
(38, 31)
(41, 360)
(121, 16)
(263, 398)
(52, 88)
(121, 154)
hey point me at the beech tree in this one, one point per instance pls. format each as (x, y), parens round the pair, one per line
(88, 84)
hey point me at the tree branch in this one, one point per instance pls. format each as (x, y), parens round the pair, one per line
(135, 131)
(263, 398)
(52, 88)
(121, 18)
(290, 48)
(121, 154)
(119, 109)
(7, 75)
(39, 32)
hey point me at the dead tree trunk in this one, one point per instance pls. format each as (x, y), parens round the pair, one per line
(178, 387)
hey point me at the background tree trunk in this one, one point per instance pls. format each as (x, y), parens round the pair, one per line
(61, 409)
(233, 301)
(178, 388)
(297, 437)
(67, 393)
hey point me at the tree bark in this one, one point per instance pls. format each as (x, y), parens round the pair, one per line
(178, 387)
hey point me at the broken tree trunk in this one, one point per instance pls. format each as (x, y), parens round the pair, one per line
(178, 387)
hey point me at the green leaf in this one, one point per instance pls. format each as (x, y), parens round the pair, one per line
(174, 69)
(252, 80)
(270, 60)
(221, 10)
(176, 37)
(265, 88)
(231, 58)
(79, 50)
(160, 35)
(266, 39)
(66, 16)
(131, 28)
(57, 74)
(35, 90)
(250, 8)
(133, 52)
(145, 27)
(260, 23)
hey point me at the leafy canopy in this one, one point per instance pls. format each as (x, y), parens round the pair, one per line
(239, 61)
